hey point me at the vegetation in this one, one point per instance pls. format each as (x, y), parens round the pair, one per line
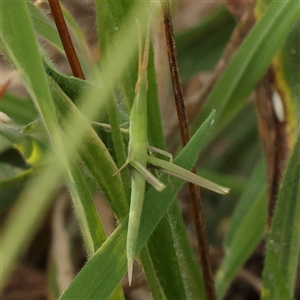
(60, 137)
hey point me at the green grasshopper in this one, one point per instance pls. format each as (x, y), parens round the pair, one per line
(138, 158)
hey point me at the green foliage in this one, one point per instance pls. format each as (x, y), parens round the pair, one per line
(245, 230)
(215, 31)
(283, 247)
(52, 131)
(251, 61)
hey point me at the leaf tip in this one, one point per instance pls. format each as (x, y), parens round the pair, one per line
(225, 190)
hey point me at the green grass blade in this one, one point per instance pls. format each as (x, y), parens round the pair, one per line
(253, 190)
(188, 263)
(251, 61)
(245, 230)
(155, 131)
(44, 27)
(16, 30)
(94, 154)
(72, 86)
(119, 146)
(279, 286)
(21, 111)
(163, 234)
(153, 282)
(110, 17)
(85, 209)
(31, 149)
(103, 272)
(246, 238)
(283, 245)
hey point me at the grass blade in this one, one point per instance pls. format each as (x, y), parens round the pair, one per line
(22, 111)
(255, 187)
(283, 245)
(44, 27)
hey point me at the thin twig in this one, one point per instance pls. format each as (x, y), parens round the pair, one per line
(66, 39)
(185, 136)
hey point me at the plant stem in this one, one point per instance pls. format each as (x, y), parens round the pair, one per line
(66, 39)
(185, 136)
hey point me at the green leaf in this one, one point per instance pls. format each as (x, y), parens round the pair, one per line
(16, 30)
(246, 229)
(21, 111)
(44, 27)
(94, 153)
(72, 86)
(254, 189)
(277, 278)
(161, 263)
(188, 263)
(86, 210)
(110, 18)
(155, 131)
(30, 148)
(248, 234)
(283, 245)
(152, 278)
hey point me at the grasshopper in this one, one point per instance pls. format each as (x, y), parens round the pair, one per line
(138, 158)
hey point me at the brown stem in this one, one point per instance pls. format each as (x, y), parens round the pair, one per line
(66, 39)
(274, 138)
(185, 136)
